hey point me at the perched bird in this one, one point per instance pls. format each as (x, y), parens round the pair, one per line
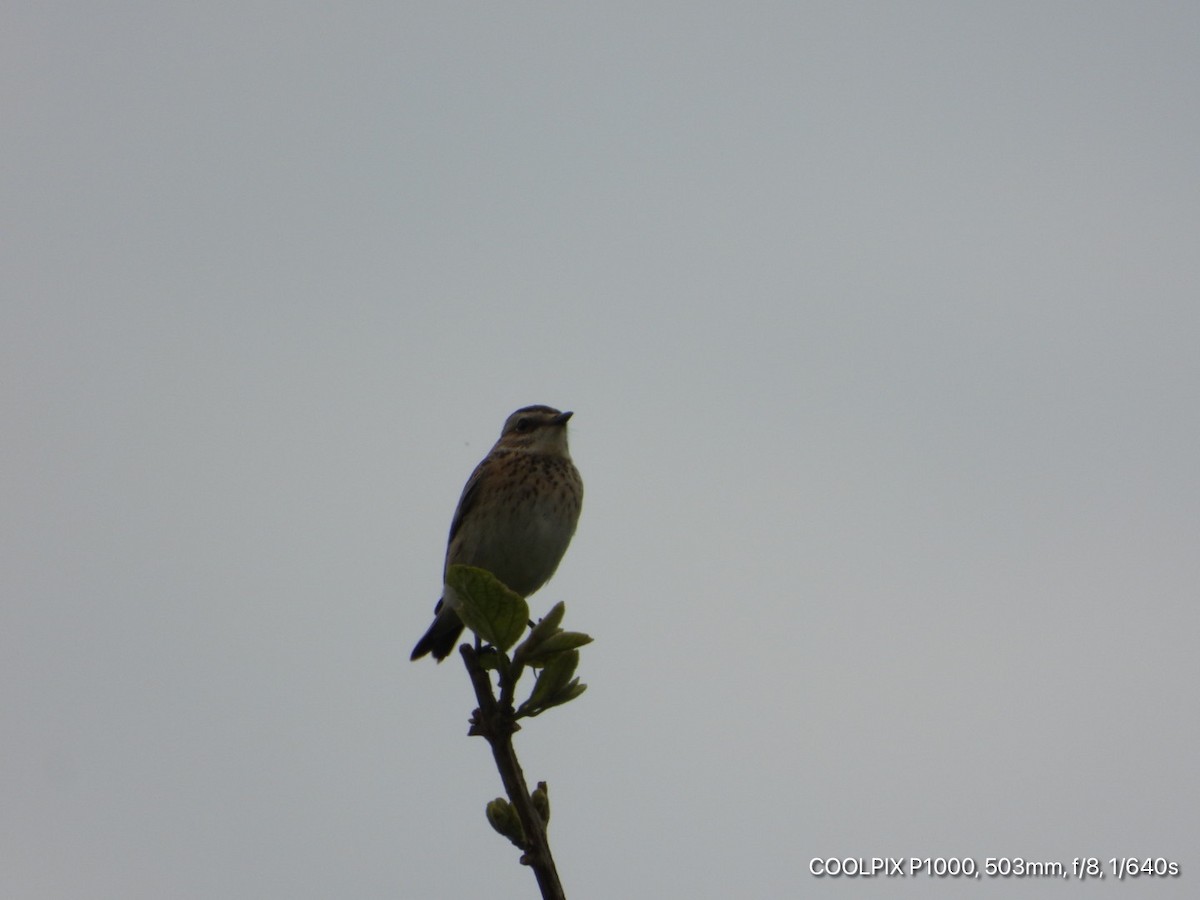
(515, 517)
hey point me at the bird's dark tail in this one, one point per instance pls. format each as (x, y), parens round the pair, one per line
(440, 638)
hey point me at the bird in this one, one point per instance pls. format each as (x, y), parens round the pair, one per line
(516, 515)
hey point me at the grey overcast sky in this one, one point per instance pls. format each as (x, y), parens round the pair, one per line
(880, 324)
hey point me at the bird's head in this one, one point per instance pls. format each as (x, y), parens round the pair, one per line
(536, 429)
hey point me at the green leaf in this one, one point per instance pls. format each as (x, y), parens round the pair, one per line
(553, 679)
(555, 644)
(574, 689)
(556, 674)
(565, 695)
(503, 818)
(486, 605)
(548, 625)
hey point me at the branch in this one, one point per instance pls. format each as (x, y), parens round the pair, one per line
(496, 724)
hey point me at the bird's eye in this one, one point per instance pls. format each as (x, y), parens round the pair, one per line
(523, 424)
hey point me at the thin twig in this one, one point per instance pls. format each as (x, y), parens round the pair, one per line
(496, 724)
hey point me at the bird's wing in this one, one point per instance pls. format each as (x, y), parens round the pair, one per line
(470, 496)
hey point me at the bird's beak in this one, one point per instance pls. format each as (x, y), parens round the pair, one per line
(561, 418)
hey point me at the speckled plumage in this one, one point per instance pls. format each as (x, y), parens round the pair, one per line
(516, 514)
